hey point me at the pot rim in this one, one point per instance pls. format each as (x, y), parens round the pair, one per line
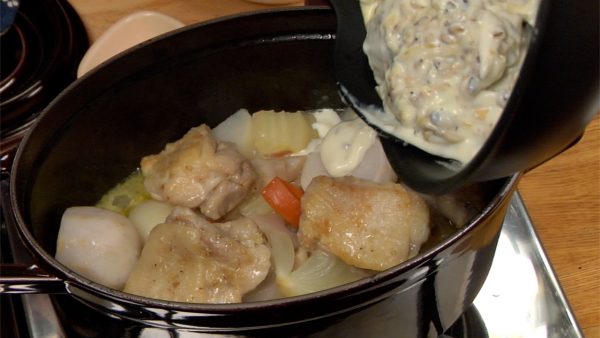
(71, 278)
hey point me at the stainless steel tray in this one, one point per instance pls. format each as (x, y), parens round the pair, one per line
(521, 297)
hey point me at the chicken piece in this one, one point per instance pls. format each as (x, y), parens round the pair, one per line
(189, 259)
(366, 224)
(198, 171)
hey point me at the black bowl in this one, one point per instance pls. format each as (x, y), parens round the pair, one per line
(94, 134)
(555, 97)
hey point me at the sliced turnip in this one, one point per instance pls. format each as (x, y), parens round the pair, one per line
(237, 129)
(99, 244)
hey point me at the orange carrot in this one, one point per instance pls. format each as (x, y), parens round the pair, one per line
(284, 198)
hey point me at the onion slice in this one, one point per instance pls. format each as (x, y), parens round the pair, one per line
(320, 271)
(280, 240)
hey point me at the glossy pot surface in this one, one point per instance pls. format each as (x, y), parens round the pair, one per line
(94, 134)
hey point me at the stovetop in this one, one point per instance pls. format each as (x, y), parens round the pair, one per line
(520, 298)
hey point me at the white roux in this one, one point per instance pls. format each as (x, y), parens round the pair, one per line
(325, 119)
(345, 145)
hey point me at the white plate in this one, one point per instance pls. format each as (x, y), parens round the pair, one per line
(125, 33)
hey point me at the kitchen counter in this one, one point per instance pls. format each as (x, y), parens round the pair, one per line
(563, 200)
(562, 195)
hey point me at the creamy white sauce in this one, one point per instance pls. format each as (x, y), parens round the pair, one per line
(325, 119)
(445, 68)
(345, 145)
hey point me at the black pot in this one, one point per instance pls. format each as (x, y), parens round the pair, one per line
(94, 134)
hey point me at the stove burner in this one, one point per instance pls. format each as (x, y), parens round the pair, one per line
(40, 54)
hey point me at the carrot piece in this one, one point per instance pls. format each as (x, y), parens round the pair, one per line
(284, 197)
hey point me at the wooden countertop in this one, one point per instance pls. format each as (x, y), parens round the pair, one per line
(562, 195)
(563, 200)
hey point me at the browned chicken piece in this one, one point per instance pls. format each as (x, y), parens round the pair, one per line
(189, 259)
(366, 224)
(198, 171)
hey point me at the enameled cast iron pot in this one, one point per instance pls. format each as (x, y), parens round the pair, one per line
(94, 134)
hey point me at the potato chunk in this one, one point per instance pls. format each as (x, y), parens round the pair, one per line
(281, 132)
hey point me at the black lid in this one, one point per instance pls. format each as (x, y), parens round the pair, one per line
(40, 55)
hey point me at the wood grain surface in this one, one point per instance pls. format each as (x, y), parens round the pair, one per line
(563, 200)
(562, 195)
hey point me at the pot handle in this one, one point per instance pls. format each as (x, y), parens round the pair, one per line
(24, 276)
(22, 279)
